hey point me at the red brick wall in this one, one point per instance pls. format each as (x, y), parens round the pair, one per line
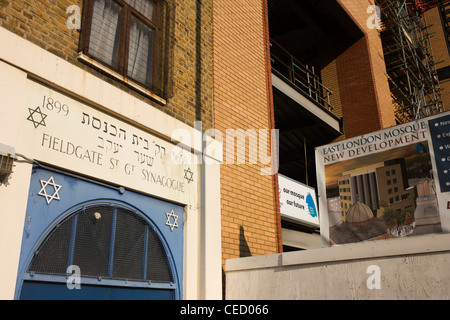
(357, 91)
(242, 100)
(358, 79)
(440, 51)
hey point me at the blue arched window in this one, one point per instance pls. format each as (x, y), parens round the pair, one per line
(119, 254)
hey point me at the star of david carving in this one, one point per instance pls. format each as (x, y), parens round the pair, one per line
(40, 117)
(171, 215)
(188, 175)
(43, 191)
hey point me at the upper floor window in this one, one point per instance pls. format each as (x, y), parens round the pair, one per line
(124, 36)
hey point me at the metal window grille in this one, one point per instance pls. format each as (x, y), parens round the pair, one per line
(107, 241)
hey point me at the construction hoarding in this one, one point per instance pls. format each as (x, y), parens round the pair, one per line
(389, 183)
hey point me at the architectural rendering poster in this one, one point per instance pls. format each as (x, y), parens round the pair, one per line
(387, 184)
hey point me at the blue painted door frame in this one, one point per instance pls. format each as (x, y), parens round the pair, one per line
(53, 196)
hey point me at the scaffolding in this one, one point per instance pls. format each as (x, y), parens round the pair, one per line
(411, 69)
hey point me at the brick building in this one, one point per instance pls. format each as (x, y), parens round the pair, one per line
(242, 100)
(440, 52)
(97, 95)
(106, 102)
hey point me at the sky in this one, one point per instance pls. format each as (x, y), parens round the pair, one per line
(335, 170)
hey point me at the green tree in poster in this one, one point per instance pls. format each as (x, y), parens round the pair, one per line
(396, 218)
(389, 217)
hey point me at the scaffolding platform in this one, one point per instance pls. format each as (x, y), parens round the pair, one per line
(410, 66)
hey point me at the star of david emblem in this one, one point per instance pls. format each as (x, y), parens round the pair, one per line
(188, 175)
(40, 117)
(43, 191)
(169, 223)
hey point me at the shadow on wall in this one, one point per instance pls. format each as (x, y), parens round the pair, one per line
(244, 250)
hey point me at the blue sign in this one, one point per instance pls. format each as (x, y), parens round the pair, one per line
(440, 136)
(311, 205)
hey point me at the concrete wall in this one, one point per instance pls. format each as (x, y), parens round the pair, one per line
(407, 268)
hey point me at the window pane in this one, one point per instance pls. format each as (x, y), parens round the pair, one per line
(105, 30)
(92, 241)
(145, 7)
(158, 266)
(129, 246)
(53, 254)
(140, 52)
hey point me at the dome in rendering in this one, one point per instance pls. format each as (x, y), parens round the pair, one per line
(359, 215)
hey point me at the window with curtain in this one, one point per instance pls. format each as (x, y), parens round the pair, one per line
(124, 36)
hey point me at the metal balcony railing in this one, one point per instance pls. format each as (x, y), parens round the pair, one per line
(301, 76)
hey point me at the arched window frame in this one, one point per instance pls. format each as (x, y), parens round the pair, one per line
(102, 281)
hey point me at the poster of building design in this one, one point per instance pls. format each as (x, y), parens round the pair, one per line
(387, 184)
